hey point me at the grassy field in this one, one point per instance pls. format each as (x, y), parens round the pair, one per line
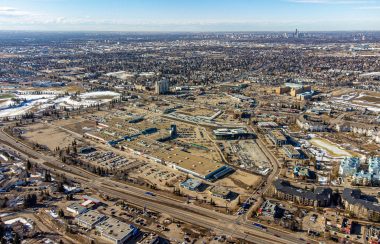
(6, 96)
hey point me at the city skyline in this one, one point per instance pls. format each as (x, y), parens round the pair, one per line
(196, 15)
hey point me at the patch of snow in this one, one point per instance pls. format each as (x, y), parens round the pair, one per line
(22, 220)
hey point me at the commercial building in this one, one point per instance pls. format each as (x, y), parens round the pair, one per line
(198, 166)
(89, 219)
(90, 200)
(232, 134)
(191, 184)
(162, 87)
(360, 205)
(270, 210)
(219, 173)
(220, 191)
(349, 166)
(115, 230)
(321, 197)
(76, 209)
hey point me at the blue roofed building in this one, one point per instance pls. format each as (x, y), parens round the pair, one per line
(362, 178)
(191, 184)
(374, 165)
(219, 173)
(349, 166)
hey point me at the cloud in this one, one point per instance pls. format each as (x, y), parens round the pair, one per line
(12, 12)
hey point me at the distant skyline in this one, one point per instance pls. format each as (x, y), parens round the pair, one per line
(189, 15)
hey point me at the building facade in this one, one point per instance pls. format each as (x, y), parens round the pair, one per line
(320, 197)
(162, 87)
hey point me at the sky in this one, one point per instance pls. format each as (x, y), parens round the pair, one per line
(190, 15)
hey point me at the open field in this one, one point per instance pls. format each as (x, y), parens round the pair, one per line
(48, 135)
(367, 100)
(332, 149)
(6, 96)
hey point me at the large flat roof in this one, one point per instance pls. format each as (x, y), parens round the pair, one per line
(114, 229)
(173, 155)
(90, 217)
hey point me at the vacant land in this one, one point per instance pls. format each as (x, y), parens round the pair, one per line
(49, 136)
(332, 149)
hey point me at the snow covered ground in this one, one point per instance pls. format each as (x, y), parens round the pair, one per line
(330, 148)
(22, 220)
(353, 99)
(40, 102)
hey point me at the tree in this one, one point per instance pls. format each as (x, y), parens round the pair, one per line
(61, 214)
(2, 229)
(28, 165)
(47, 177)
(16, 239)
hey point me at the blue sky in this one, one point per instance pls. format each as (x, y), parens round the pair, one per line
(190, 15)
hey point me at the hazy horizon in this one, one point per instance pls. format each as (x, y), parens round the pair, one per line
(189, 16)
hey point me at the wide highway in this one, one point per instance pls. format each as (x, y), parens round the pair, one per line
(198, 216)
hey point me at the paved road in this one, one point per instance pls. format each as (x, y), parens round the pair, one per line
(189, 213)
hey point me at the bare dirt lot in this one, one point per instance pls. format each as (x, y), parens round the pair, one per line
(47, 135)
